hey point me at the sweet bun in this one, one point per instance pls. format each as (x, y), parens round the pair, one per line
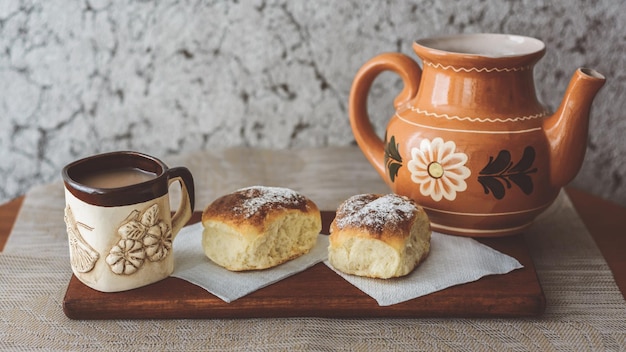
(379, 236)
(259, 227)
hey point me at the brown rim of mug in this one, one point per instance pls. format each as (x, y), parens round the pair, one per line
(109, 197)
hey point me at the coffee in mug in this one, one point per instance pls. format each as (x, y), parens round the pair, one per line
(119, 225)
(114, 178)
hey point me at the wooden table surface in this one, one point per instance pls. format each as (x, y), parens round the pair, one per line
(605, 221)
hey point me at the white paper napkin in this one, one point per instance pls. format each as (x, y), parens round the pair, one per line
(452, 261)
(191, 264)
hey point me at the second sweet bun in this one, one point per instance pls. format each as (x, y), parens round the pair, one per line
(259, 227)
(379, 236)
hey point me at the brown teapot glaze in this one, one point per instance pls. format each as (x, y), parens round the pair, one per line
(469, 140)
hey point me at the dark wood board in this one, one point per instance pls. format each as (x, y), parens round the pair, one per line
(318, 292)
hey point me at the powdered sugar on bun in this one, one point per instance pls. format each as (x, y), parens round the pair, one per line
(376, 213)
(253, 204)
(260, 199)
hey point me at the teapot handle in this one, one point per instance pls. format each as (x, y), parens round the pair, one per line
(367, 139)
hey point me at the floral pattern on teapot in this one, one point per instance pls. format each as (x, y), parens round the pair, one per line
(500, 172)
(436, 166)
(439, 169)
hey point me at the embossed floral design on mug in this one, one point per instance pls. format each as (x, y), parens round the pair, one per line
(119, 225)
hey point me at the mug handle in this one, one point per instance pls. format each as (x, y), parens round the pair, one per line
(185, 210)
(367, 139)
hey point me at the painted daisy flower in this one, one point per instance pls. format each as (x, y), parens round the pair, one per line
(438, 169)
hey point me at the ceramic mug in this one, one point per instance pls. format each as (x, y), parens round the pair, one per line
(119, 225)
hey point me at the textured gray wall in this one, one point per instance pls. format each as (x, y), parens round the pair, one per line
(83, 77)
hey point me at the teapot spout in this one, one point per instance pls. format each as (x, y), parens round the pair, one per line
(567, 129)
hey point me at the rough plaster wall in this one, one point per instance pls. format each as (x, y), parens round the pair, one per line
(165, 77)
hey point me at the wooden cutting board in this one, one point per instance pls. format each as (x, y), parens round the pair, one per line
(318, 292)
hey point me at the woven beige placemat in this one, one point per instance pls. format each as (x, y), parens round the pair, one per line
(585, 309)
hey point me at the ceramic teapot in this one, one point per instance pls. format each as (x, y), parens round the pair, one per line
(469, 140)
